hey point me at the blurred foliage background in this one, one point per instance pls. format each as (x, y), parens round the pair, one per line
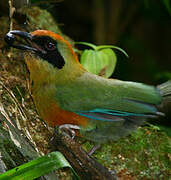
(141, 28)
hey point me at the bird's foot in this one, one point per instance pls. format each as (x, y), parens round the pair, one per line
(93, 149)
(69, 129)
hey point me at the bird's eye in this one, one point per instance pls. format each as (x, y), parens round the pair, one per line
(50, 46)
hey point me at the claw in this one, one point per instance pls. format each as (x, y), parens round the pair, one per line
(93, 149)
(69, 129)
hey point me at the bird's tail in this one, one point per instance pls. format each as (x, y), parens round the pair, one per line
(165, 90)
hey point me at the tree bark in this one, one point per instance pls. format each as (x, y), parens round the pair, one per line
(84, 165)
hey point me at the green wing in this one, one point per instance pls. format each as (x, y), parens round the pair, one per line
(115, 108)
(90, 92)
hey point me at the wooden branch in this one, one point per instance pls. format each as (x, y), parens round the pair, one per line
(84, 165)
(11, 12)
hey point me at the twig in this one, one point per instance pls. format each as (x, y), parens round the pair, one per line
(11, 12)
(14, 99)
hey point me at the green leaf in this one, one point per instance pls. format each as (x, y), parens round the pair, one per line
(100, 62)
(38, 167)
(97, 48)
(111, 46)
(111, 61)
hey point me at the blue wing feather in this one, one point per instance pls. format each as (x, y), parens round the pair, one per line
(110, 115)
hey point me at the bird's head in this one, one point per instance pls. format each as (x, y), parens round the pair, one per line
(47, 54)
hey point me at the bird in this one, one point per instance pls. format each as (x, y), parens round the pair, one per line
(67, 95)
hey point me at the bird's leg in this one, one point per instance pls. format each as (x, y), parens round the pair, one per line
(93, 149)
(69, 129)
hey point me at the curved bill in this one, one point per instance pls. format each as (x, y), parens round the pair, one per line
(11, 39)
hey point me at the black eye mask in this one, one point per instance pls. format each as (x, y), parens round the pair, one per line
(49, 51)
(43, 46)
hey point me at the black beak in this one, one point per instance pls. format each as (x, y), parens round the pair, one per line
(10, 39)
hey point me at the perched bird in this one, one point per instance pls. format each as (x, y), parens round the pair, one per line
(66, 95)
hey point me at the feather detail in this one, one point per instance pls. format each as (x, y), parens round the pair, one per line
(110, 115)
(165, 89)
